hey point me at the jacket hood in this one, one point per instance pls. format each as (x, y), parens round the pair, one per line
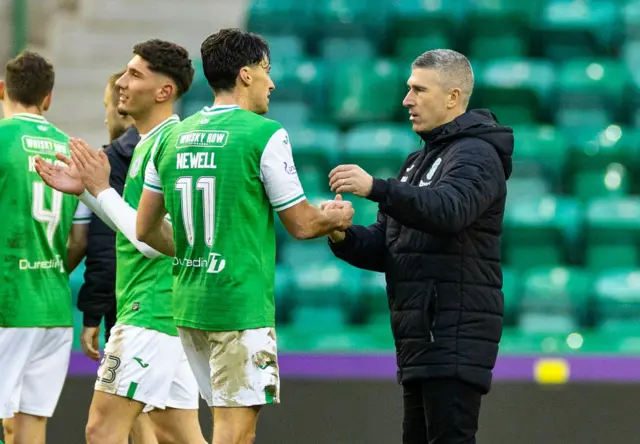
(477, 123)
(125, 144)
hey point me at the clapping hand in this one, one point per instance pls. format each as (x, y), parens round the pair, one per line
(93, 166)
(64, 178)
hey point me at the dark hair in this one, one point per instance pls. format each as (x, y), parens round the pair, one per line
(169, 59)
(115, 89)
(226, 52)
(29, 78)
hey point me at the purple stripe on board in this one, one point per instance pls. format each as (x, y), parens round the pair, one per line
(361, 366)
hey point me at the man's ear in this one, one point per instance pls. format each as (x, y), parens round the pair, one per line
(165, 93)
(2, 88)
(47, 101)
(245, 75)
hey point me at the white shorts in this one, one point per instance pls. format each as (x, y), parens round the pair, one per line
(33, 368)
(234, 368)
(149, 367)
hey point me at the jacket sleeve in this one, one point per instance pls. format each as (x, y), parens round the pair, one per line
(472, 181)
(364, 247)
(97, 295)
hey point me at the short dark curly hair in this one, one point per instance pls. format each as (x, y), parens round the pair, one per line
(169, 59)
(226, 52)
(29, 78)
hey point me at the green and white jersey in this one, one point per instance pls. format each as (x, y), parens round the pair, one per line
(36, 220)
(222, 172)
(143, 285)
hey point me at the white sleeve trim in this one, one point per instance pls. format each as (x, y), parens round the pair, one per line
(124, 217)
(83, 214)
(151, 178)
(278, 173)
(94, 206)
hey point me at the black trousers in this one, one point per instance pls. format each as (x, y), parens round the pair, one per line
(440, 411)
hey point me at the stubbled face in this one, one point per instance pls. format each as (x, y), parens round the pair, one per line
(116, 123)
(427, 101)
(260, 87)
(139, 87)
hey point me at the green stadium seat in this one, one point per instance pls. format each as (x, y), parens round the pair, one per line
(612, 233)
(291, 340)
(578, 29)
(523, 86)
(541, 151)
(493, 47)
(289, 113)
(617, 295)
(189, 107)
(364, 91)
(308, 252)
(366, 211)
(601, 161)
(340, 49)
(409, 48)
(575, 120)
(285, 48)
(592, 83)
(630, 12)
(327, 284)
(352, 340)
(538, 231)
(554, 300)
(352, 18)
(315, 146)
(519, 188)
(284, 294)
(274, 16)
(307, 320)
(412, 17)
(519, 342)
(511, 291)
(382, 146)
(302, 81)
(313, 179)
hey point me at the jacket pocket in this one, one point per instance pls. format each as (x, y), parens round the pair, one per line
(429, 311)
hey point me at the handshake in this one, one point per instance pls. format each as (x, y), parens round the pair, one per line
(345, 179)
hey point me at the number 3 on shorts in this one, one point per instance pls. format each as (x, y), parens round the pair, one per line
(108, 367)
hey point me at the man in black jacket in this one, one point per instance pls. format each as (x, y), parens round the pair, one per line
(97, 299)
(437, 239)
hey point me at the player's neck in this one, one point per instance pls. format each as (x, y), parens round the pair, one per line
(10, 109)
(146, 123)
(229, 98)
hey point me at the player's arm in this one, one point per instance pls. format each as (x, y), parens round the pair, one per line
(77, 241)
(301, 219)
(151, 225)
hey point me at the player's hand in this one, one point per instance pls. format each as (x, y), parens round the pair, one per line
(336, 235)
(65, 179)
(350, 179)
(340, 211)
(89, 341)
(93, 166)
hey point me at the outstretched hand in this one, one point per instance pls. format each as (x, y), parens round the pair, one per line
(350, 179)
(93, 166)
(65, 179)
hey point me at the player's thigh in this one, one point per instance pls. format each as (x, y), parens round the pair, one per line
(18, 343)
(452, 409)
(8, 430)
(111, 418)
(235, 425)
(139, 364)
(142, 431)
(178, 422)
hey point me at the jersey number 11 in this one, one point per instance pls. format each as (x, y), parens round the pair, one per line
(207, 185)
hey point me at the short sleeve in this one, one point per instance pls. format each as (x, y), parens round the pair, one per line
(82, 214)
(151, 177)
(278, 173)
